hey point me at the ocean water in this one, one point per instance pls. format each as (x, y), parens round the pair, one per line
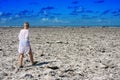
(60, 13)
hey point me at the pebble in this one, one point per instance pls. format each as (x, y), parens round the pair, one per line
(53, 67)
(0, 49)
(28, 75)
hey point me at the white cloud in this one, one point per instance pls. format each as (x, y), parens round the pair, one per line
(1, 13)
(10, 18)
(17, 16)
(45, 19)
(55, 20)
(100, 20)
(45, 13)
(3, 20)
(80, 9)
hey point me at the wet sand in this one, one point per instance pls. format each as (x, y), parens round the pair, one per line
(62, 54)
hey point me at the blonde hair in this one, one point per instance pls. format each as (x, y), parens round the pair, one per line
(26, 25)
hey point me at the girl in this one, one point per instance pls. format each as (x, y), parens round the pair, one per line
(24, 45)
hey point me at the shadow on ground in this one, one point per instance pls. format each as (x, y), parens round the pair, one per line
(41, 63)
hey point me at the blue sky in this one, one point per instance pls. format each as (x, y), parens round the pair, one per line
(60, 12)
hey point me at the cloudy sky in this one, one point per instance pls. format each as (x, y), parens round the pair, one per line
(60, 12)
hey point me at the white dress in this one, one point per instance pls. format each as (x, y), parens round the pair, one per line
(24, 43)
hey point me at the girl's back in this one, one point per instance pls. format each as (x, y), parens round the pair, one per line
(24, 35)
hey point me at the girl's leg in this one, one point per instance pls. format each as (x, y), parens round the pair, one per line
(31, 57)
(20, 59)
